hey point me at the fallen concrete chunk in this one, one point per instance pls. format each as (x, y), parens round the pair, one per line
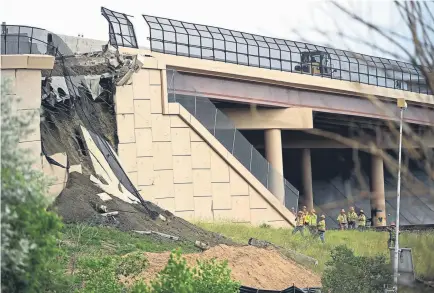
(110, 214)
(201, 245)
(102, 209)
(298, 257)
(104, 196)
(143, 232)
(166, 235)
(162, 218)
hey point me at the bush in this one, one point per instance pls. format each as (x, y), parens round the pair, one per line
(28, 231)
(102, 274)
(209, 276)
(349, 273)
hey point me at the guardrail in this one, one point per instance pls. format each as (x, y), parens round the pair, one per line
(176, 37)
(222, 128)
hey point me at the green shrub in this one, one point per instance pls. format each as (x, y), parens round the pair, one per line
(102, 274)
(346, 272)
(209, 276)
(28, 231)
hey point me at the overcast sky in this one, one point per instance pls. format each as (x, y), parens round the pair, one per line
(287, 19)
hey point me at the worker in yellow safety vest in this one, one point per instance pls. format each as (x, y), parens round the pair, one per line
(312, 221)
(361, 221)
(305, 215)
(352, 218)
(321, 228)
(342, 220)
(299, 223)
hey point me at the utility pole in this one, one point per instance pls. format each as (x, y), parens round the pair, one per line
(402, 104)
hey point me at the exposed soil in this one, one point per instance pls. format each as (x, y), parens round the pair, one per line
(77, 204)
(252, 266)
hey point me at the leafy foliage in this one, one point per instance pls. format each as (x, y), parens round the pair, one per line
(102, 274)
(28, 231)
(349, 273)
(208, 276)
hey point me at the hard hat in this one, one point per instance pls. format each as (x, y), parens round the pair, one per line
(300, 212)
(342, 211)
(304, 207)
(351, 208)
(322, 217)
(392, 224)
(313, 211)
(362, 211)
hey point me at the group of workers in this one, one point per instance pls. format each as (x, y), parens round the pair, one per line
(352, 220)
(307, 219)
(310, 220)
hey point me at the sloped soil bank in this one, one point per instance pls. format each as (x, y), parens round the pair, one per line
(252, 266)
(78, 201)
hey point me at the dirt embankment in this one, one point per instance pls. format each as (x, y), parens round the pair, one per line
(252, 266)
(77, 204)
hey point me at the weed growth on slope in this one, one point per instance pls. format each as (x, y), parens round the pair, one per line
(367, 243)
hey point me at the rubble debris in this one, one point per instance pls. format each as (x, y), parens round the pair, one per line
(115, 213)
(201, 245)
(252, 266)
(162, 218)
(143, 232)
(104, 196)
(102, 209)
(298, 257)
(77, 201)
(166, 235)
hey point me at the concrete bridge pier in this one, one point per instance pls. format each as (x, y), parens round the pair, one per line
(378, 201)
(306, 172)
(273, 154)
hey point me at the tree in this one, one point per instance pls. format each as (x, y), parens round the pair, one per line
(346, 272)
(28, 230)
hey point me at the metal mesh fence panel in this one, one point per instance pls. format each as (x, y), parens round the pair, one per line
(207, 42)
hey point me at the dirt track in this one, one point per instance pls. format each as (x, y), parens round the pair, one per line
(252, 266)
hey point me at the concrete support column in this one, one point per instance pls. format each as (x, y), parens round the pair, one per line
(273, 153)
(306, 171)
(378, 201)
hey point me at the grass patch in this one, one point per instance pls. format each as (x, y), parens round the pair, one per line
(82, 239)
(367, 243)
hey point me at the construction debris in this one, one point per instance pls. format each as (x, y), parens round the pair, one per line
(115, 213)
(298, 257)
(201, 245)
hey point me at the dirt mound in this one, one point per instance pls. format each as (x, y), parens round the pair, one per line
(77, 202)
(252, 266)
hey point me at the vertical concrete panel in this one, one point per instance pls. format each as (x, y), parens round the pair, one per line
(28, 89)
(184, 199)
(201, 155)
(257, 216)
(221, 196)
(160, 127)
(238, 185)
(203, 209)
(202, 182)
(241, 209)
(145, 171)
(8, 78)
(182, 172)
(186, 215)
(177, 122)
(125, 126)
(34, 119)
(154, 77)
(141, 88)
(164, 184)
(162, 154)
(194, 136)
(219, 168)
(256, 200)
(167, 203)
(142, 114)
(144, 142)
(181, 141)
(124, 103)
(127, 156)
(156, 99)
